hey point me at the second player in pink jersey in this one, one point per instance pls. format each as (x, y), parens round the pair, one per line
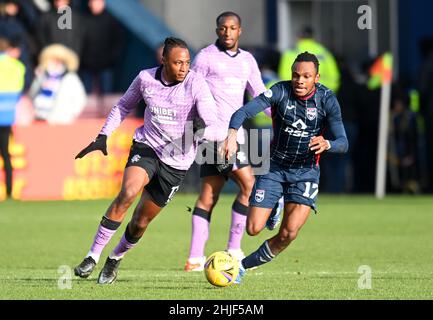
(229, 72)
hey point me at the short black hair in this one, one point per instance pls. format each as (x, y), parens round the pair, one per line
(228, 14)
(307, 57)
(172, 42)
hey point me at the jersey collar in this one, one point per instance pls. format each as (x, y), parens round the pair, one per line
(158, 76)
(221, 48)
(309, 96)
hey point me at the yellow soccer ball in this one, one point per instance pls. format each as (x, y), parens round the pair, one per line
(221, 269)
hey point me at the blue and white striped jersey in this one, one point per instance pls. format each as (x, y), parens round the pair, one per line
(295, 121)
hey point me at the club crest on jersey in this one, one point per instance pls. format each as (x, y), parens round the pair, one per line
(135, 158)
(260, 195)
(148, 92)
(311, 113)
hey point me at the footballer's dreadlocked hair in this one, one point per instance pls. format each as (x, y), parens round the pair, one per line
(170, 43)
(307, 57)
(228, 14)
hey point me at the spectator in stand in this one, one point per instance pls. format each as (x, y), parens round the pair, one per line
(329, 76)
(49, 32)
(103, 42)
(13, 27)
(403, 162)
(57, 92)
(11, 86)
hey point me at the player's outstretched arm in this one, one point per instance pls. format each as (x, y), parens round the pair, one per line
(258, 104)
(100, 143)
(123, 107)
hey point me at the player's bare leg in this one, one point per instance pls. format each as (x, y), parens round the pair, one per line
(257, 218)
(134, 178)
(244, 178)
(210, 191)
(295, 216)
(144, 213)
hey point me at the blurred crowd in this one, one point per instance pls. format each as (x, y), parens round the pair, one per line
(65, 59)
(48, 71)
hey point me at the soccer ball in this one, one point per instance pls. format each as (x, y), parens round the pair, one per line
(221, 269)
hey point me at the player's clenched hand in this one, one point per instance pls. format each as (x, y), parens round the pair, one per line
(100, 143)
(229, 147)
(319, 144)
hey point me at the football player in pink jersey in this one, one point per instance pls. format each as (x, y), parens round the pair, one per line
(229, 71)
(175, 97)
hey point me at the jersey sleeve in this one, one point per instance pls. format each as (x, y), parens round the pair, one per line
(200, 64)
(206, 108)
(270, 97)
(126, 104)
(336, 127)
(255, 84)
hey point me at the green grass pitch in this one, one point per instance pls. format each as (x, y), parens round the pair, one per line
(393, 237)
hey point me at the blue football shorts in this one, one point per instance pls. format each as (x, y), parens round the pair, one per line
(296, 185)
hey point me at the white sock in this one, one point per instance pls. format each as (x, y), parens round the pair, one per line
(94, 256)
(113, 256)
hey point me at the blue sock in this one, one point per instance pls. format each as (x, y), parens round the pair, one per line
(259, 257)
